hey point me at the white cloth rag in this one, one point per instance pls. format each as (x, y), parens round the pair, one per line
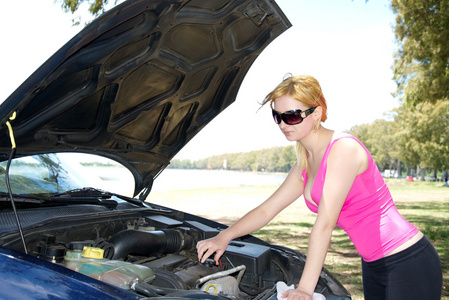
(281, 287)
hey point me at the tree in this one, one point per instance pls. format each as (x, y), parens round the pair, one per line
(383, 143)
(380, 139)
(287, 158)
(424, 136)
(421, 65)
(96, 7)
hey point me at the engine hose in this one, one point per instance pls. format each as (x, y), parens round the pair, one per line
(150, 290)
(143, 288)
(220, 274)
(131, 241)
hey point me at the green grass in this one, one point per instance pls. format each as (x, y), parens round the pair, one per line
(425, 205)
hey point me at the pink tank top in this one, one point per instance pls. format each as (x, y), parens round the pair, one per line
(368, 216)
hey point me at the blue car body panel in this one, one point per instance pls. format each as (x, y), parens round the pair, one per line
(24, 276)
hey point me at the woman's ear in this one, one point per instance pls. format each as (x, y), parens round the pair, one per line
(317, 113)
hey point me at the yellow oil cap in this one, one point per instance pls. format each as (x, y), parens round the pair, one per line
(211, 288)
(92, 252)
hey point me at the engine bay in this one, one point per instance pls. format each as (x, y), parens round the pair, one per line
(152, 252)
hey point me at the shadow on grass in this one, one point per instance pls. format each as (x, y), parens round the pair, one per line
(432, 218)
(342, 245)
(438, 206)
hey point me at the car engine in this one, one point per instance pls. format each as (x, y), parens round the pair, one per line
(152, 252)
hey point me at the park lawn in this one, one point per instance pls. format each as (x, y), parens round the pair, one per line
(424, 204)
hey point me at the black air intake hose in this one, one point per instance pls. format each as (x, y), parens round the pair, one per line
(144, 243)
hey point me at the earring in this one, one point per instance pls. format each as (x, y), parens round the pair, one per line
(316, 126)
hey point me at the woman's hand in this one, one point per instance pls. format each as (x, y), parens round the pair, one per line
(213, 245)
(297, 294)
(290, 190)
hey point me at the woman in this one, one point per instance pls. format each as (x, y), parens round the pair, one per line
(341, 183)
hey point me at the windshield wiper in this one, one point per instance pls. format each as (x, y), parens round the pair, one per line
(93, 192)
(60, 199)
(72, 197)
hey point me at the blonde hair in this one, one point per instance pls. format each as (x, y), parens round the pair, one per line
(307, 90)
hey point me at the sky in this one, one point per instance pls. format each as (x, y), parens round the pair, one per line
(347, 45)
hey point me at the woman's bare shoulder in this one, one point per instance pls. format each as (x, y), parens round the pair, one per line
(346, 144)
(348, 151)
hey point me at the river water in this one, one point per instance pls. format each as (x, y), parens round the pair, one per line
(114, 179)
(180, 179)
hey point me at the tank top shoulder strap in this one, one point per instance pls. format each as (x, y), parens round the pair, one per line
(337, 136)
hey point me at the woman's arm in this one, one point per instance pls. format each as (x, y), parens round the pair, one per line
(290, 190)
(346, 160)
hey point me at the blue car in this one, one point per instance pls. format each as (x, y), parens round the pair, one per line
(124, 96)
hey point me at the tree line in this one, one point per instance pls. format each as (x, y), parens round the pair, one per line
(276, 159)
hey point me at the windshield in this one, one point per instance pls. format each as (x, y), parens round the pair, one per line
(60, 172)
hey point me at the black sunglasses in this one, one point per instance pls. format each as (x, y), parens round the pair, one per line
(291, 117)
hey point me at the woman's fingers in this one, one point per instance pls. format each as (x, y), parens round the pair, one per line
(218, 254)
(206, 255)
(207, 248)
(204, 250)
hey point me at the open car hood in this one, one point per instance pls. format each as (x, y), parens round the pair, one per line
(140, 81)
